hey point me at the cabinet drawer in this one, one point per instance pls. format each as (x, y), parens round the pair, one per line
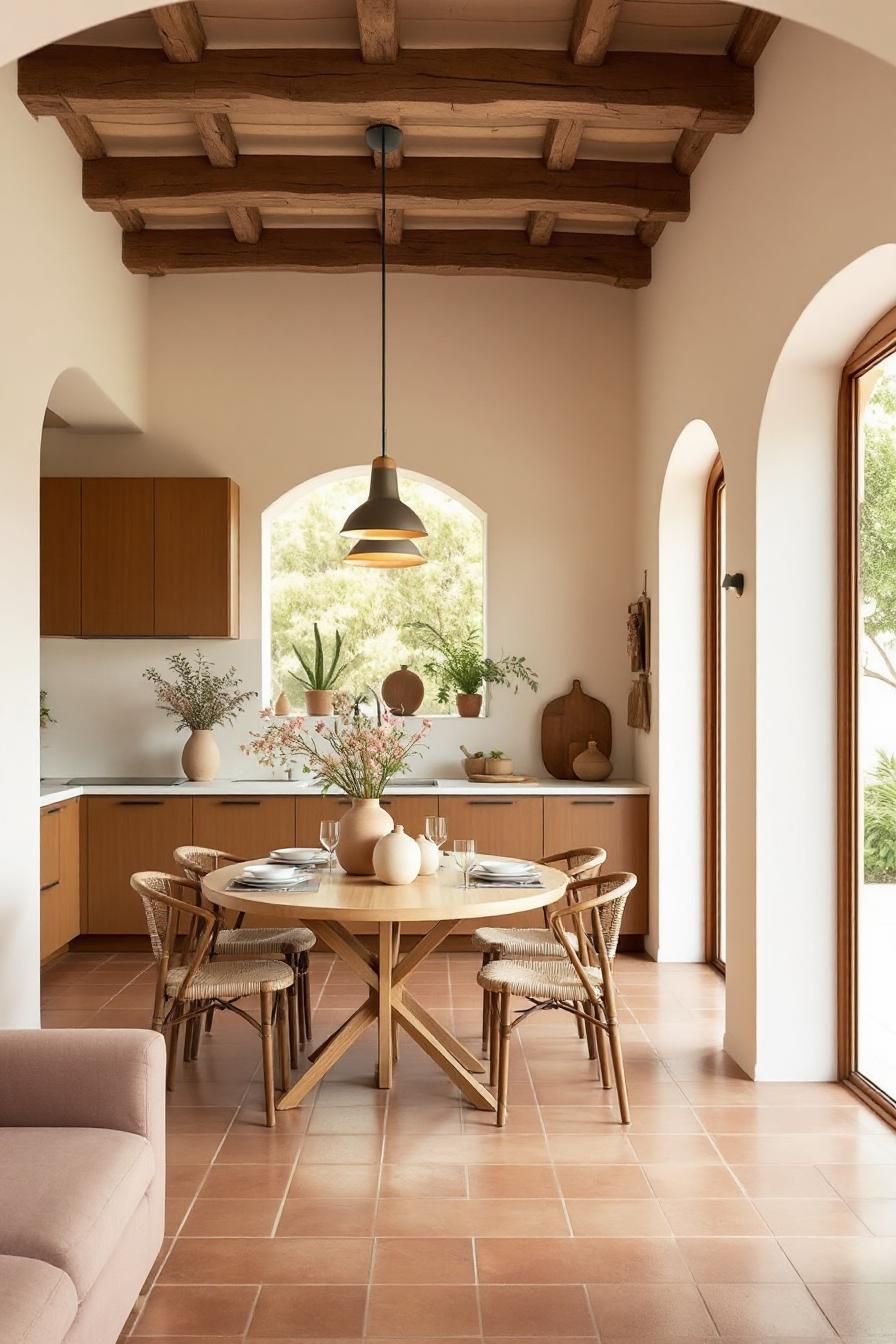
(620, 826)
(248, 826)
(125, 836)
(60, 897)
(510, 826)
(49, 847)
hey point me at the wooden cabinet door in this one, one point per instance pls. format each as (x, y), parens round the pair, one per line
(197, 557)
(125, 836)
(247, 826)
(49, 847)
(509, 826)
(411, 813)
(618, 825)
(60, 555)
(60, 886)
(117, 557)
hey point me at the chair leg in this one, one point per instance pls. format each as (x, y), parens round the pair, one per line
(591, 1031)
(294, 1016)
(603, 1055)
(619, 1072)
(173, 1034)
(494, 1048)
(504, 1060)
(306, 993)
(486, 1009)
(267, 1055)
(580, 1028)
(209, 1020)
(283, 1023)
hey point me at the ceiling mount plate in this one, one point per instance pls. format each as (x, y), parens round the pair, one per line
(383, 136)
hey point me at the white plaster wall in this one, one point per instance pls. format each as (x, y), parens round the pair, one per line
(67, 303)
(519, 395)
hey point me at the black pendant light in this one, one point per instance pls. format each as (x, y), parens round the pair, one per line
(398, 554)
(384, 517)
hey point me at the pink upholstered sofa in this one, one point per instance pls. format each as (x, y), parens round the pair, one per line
(82, 1181)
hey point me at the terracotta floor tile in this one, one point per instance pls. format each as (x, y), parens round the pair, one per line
(765, 1310)
(617, 1218)
(336, 1149)
(878, 1215)
(430, 1260)
(691, 1182)
(794, 1149)
(246, 1182)
(199, 1119)
(231, 1218)
(327, 1218)
(556, 1312)
(183, 1182)
(347, 1120)
(843, 1259)
(681, 1149)
(334, 1182)
(316, 1312)
(644, 1311)
(858, 1309)
(416, 1310)
(598, 1150)
(810, 1217)
(780, 1182)
(736, 1260)
(402, 1180)
(244, 1149)
(470, 1217)
(175, 1211)
(512, 1182)
(872, 1181)
(713, 1218)
(581, 1260)
(191, 1150)
(173, 1310)
(789, 1120)
(265, 1260)
(604, 1182)
(490, 1147)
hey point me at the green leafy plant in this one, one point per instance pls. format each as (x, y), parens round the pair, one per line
(496, 755)
(45, 716)
(880, 821)
(459, 664)
(196, 695)
(318, 674)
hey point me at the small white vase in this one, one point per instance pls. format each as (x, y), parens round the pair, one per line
(429, 856)
(396, 858)
(201, 756)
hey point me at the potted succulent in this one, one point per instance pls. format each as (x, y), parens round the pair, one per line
(496, 763)
(320, 678)
(460, 666)
(200, 700)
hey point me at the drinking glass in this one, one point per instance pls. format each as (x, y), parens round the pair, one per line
(329, 838)
(436, 830)
(463, 853)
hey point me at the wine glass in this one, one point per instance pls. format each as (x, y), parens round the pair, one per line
(436, 830)
(463, 853)
(329, 838)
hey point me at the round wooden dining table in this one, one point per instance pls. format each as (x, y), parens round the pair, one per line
(433, 907)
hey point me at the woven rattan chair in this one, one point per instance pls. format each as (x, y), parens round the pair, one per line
(494, 942)
(291, 944)
(581, 983)
(189, 982)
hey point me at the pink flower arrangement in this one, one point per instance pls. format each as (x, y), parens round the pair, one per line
(352, 754)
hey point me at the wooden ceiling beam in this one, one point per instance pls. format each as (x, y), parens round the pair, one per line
(378, 30)
(218, 139)
(540, 226)
(594, 186)
(181, 31)
(245, 221)
(83, 135)
(394, 225)
(606, 258)
(632, 90)
(561, 143)
(592, 28)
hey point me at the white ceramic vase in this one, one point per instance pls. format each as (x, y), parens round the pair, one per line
(429, 856)
(396, 858)
(359, 830)
(201, 757)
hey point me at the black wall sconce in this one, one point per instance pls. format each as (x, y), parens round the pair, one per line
(735, 581)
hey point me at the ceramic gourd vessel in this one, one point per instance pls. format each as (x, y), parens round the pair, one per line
(282, 705)
(429, 856)
(397, 858)
(359, 830)
(201, 756)
(403, 691)
(591, 765)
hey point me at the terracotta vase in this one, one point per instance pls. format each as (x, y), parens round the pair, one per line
(469, 706)
(318, 703)
(282, 705)
(403, 691)
(201, 757)
(396, 858)
(363, 825)
(591, 765)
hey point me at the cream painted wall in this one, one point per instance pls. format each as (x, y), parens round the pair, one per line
(776, 214)
(517, 394)
(67, 305)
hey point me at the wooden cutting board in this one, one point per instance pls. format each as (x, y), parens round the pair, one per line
(568, 724)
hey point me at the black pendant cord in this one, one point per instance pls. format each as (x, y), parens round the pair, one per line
(383, 287)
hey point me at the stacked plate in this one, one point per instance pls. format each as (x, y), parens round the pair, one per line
(271, 876)
(302, 858)
(504, 872)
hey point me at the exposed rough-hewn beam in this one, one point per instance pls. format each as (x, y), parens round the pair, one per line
(592, 28)
(540, 226)
(378, 30)
(245, 222)
(218, 139)
(691, 147)
(270, 182)
(82, 133)
(561, 143)
(131, 221)
(629, 90)
(649, 230)
(607, 258)
(181, 31)
(394, 225)
(749, 39)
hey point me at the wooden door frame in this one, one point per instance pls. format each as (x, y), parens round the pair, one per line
(712, 713)
(878, 344)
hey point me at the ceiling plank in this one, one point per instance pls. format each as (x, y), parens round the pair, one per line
(378, 30)
(606, 258)
(181, 31)
(540, 226)
(594, 186)
(245, 221)
(131, 221)
(83, 135)
(750, 37)
(592, 28)
(561, 143)
(629, 90)
(218, 139)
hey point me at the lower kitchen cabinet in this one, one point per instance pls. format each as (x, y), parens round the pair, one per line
(60, 894)
(248, 827)
(511, 826)
(125, 836)
(620, 826)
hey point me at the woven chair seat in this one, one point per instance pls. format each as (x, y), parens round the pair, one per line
(520, 942)
(230, 979)
(539, 979)
(263, 942)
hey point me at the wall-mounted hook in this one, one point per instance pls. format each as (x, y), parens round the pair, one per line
(735, 581)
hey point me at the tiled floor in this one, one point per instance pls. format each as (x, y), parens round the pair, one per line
(728, 1209)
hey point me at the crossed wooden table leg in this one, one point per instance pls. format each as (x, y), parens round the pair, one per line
(389, 1005)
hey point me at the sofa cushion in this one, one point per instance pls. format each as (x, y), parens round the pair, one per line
(67, 1194)
(37, 1302)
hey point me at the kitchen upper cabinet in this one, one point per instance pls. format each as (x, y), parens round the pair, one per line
(60, 555)
(197, 557)
(116, 557)
(620, 826)
(410, 812)
(125, 836)
(60, 885)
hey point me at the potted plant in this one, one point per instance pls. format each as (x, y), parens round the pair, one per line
(46, 718)
(496, 763)
(352, 754)
(320, 678)
(200, 700)
(459, 665)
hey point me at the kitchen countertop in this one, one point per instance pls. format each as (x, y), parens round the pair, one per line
(60, 790)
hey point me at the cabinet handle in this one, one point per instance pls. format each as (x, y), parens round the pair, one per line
(386, 802)
(141, 802)
(593, 802)
(490, 802)
(50, 810)
(239, 802)
(48, 886)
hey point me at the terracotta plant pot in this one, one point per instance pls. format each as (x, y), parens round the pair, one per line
(318, 703)
(397, 858)
(403, 691)
(359, 830)
(498, 765)
(469, 706)
(201, 758)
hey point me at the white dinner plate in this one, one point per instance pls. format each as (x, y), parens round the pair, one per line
(292, 881)
(299, 856)
(268, 872)
(503, 868)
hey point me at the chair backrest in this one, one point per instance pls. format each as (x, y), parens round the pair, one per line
(606, 908)
(197, 862)
(579, 862)
(167, 902)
